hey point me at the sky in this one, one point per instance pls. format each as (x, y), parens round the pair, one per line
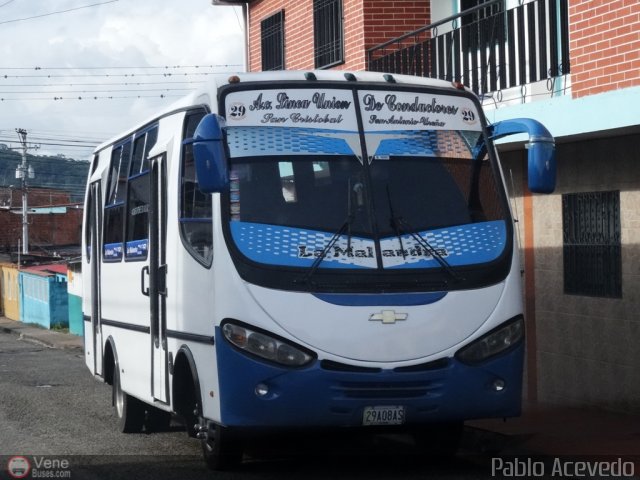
(134, 51)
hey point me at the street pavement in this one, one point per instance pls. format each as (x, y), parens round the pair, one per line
(543, 429)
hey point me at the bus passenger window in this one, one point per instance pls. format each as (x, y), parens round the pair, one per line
(137, 244)
(138, 154)
(196, 224)
(114, 202)
(141, 147)
(113, 224)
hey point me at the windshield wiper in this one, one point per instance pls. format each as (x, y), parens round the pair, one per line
(346, 226)
(401, 226)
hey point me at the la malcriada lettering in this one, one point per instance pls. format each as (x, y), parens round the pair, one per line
(416, 106)
(338, 252)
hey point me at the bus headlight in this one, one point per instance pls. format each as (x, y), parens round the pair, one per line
(266, 346)
(493, 343)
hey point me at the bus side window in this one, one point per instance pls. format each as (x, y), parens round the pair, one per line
(141, 146)
(137, 241)
(114, 204)
(196, 226)
(138, 195)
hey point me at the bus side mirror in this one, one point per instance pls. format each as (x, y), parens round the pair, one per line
(541, 151)
(541, 166)
(209, 154)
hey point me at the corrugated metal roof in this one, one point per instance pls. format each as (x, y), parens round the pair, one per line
(48, 269)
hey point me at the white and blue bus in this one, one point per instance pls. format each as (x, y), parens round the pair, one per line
(308, 249)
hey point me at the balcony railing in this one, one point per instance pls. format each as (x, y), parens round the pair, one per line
(487, 48)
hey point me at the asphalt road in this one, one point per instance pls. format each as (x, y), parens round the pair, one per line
(52, 409)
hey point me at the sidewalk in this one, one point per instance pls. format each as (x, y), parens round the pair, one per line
(543, 429)
(560, 431)
(42, 336)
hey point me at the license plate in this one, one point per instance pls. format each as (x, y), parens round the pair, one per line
(387, 415)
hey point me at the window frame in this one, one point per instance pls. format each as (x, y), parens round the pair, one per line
(328, 29)
(115, 182)
(272, 42)
(591, 226)
(144, 171)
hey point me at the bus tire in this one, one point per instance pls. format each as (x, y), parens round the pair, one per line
(129, 410)
(220, 449)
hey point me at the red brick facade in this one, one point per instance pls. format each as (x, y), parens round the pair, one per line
(605, 45)
(46, 230)
(366, 23)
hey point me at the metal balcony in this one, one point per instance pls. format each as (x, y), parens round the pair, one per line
(487, 48)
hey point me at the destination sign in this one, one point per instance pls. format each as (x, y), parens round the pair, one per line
(384, 110)
(303, 108)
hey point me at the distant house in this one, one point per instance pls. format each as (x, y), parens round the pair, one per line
(54, 220)
(9, 291)
(44, 298)
(575, 66)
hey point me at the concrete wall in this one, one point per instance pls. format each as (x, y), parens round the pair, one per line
(585, 347)
(74, 288)
(44, 300)
(10, 294)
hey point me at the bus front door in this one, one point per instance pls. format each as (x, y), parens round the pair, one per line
(158, 279)
(93, 338)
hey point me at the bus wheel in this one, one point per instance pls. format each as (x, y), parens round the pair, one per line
(129, 410)
(220, 449)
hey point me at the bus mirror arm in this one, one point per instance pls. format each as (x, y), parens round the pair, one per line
(209, 154)
(541, 151)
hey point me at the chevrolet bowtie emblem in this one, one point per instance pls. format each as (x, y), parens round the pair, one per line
(388, 316)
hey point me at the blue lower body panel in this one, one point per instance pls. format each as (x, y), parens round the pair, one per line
(317, 397)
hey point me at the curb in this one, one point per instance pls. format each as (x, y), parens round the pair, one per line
(45, 338)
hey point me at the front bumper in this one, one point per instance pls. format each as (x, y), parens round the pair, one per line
(317, 396)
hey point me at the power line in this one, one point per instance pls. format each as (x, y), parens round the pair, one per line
(77, 134)
(110, 97)
(7, 3)
(104, 91)
(116, 75)
(56, 13)
(107, 84)
(62, 139)
(146, 67)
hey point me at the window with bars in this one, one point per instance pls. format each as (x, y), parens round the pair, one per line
(328, 35)
(591, 244)
(272, 42)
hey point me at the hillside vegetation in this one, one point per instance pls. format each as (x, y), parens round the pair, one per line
(59, 172)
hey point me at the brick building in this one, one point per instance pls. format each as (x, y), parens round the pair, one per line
(54, 221)
(575, 66)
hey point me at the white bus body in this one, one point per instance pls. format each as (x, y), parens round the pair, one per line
(354, 266)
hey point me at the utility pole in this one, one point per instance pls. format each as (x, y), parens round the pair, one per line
(23, 172)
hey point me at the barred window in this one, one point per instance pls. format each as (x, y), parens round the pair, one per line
(272, 42)
(328, 35)
(591, 248)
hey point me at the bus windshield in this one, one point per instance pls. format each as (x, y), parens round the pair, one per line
(412, 184)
